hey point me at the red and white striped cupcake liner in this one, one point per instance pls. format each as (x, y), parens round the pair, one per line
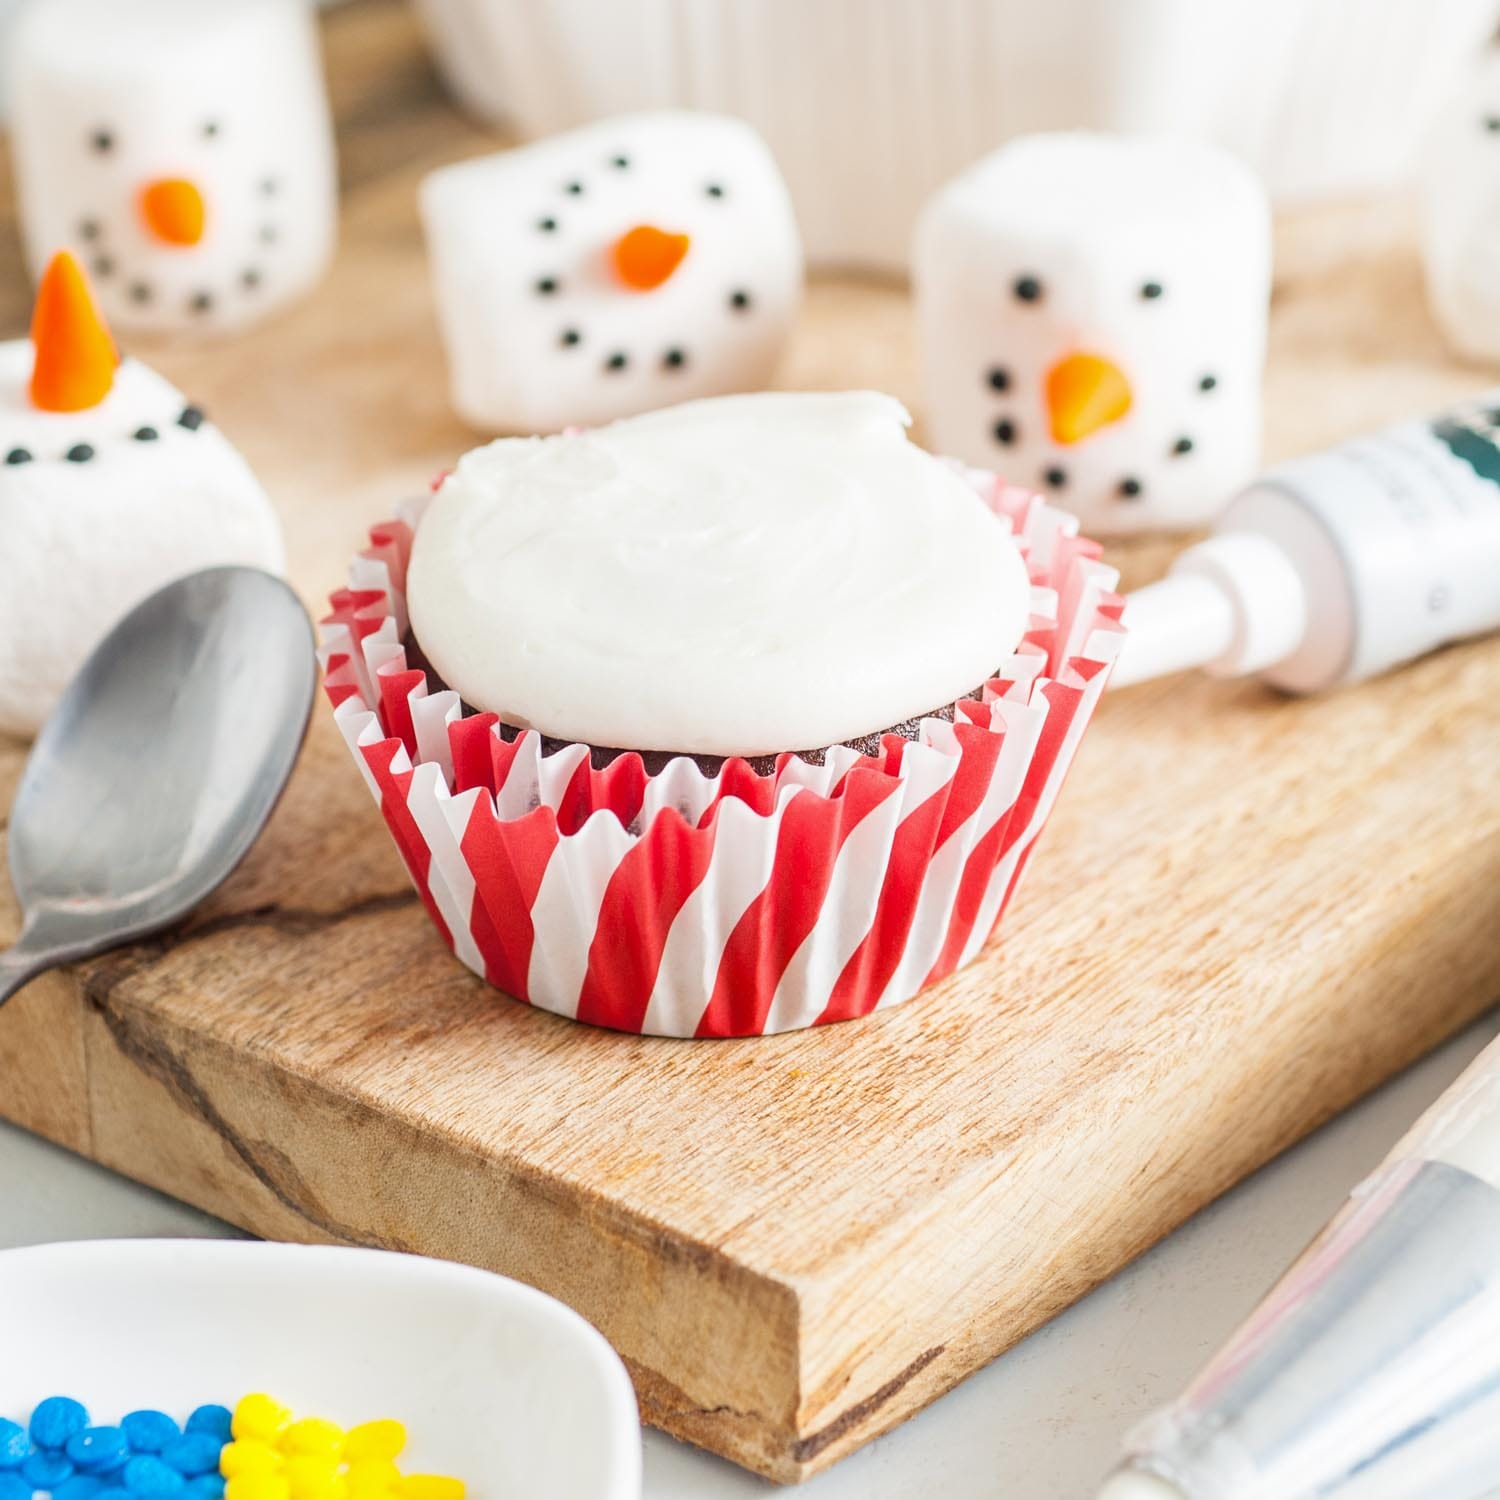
(740, 904)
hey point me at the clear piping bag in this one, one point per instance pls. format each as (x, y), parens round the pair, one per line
(1372, 1370)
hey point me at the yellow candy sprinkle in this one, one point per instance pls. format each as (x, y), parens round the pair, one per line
(374, 1440)
(313, 1435)
(372, 1477)
(429, 1487)
(258, 1484)
(314, 1477)
(248, 1457)
(259, 1417)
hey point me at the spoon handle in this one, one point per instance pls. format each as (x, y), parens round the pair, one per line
(17, 966)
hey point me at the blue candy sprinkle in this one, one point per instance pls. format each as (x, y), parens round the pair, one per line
(97, 1450)
(193, 1453)
(150, 1431)
(56, 1420)
(13, 1487)
(45, 1471)
(216, 1421)
(14, 1444)
(147, 1475)
(79, 1487)
(207, 1487)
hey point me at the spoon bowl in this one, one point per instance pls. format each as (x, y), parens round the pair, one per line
(160, 766)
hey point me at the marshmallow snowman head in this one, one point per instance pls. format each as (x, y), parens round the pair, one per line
(1461, 215)
(1092, 314)
(182, 147)
(111, 485)
(635, 263)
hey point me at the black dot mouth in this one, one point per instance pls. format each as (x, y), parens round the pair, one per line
(1182, 446)
(674, 359)
(191, 417)
(1151, 291)
(200, 303)
(103, 141)
(145, 434)
(88, 229)
(1004, 432)
(997, 378)
(714, 190)
(103, 267)
(620, 163)
(269, 187)
(79, 453)
(250, 278)
(546, 286)
(1208, 382)
(1055, 477)
(573, 189)
(570, 338)
(1027, 288)
(740, 300)
(211, 130)
(1492, 123)
(616, 362)
(1131, 488)
(140, 292)
(547, 225)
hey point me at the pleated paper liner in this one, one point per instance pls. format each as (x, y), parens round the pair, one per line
(738, 904)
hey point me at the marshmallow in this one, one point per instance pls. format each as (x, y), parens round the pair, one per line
(1092, 314)
(183, 148)
(111, 485)
(632, 264)
(1461, 215)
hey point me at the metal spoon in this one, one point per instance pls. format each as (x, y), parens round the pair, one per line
(154, 775)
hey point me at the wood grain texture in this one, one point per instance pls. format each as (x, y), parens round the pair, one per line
(1247, 912)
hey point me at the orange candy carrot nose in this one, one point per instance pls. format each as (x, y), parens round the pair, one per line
(75, 356)
(1084, 393)
(644, 257)
(173, 210)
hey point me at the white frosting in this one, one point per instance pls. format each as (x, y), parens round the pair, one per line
(735, 576)
(81, 543)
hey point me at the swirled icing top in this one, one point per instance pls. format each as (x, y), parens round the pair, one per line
(737, 576)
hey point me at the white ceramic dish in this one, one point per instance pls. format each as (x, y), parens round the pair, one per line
(497, 1384)
(870, 105)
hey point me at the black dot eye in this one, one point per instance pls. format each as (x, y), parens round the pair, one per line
(546, 286)
(714, 189)
(145, 434)
(103, 141)
(1004, 431)
(18, 456)
(210, 129)
(1027, 289)
(1183, 445)
(740, 301)
(1056, 477)
(191, 418)
(88, 229)
(619, 163)
(674, 359)
(201, 302)
(616, 362)
(575, 189)
(1131, 487)
(79, 453)
(570, 338)
(1208, 382)
(1151, 290)
(997, 379)
(547, 225)
(1492, 123)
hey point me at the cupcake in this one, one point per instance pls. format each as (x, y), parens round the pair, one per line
(732, 718)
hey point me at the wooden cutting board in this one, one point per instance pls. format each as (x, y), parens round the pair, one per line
(1247, 912)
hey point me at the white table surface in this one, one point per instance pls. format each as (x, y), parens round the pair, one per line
(1042, 1422)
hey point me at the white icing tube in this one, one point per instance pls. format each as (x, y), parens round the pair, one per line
(1372, 1370)
(1338, 565)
